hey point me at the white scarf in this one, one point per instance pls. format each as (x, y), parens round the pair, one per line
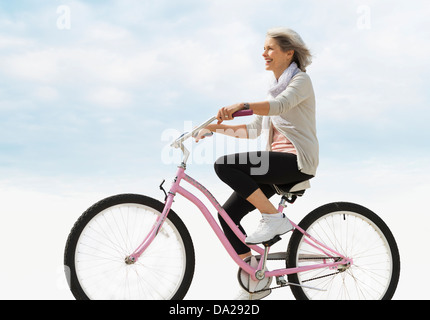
(277, 87)
(280, 85)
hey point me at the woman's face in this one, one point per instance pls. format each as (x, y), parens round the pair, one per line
(276, 59)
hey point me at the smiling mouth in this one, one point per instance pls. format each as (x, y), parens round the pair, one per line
(268, 61)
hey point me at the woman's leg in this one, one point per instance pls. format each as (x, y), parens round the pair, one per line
(237, 207)
(244, 172)
(260, 201)
(245, 175)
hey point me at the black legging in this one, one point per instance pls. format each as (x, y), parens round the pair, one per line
(247, 172)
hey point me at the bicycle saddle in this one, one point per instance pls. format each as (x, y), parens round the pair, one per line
(292, 189)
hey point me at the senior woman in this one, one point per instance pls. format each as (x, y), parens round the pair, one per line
(288, 118)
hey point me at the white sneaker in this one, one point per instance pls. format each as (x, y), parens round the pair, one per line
(270, 226)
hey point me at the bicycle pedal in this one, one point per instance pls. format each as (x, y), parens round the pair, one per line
(271, 242)
(280, 281)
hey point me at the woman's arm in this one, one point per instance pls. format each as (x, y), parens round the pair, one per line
(238, 131)
(259, 108)
(226, 113)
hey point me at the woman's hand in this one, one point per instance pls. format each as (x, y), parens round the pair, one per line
(226, 113)
(203, 133)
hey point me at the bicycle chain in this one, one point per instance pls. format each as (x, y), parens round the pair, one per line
(289, 285)
(311, 279)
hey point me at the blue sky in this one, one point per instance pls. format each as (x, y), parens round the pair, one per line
(77, 101)
(86, 107)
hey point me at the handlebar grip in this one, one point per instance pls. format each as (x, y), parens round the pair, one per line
(243, 113)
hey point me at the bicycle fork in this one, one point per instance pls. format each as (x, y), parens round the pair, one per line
(168, 201)
(131, 259)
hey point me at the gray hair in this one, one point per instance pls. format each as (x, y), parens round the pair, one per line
(290, 40)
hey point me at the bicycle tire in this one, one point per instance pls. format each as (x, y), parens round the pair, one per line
(144, 211)
(374, 273)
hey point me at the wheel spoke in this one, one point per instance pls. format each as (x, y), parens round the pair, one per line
(356, 235)
(111, 235)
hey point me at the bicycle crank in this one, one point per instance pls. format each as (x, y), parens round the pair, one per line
(247, 283)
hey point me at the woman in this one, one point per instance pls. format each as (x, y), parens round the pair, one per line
(288, 116)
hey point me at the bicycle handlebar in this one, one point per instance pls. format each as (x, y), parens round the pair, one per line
(178, 142)
(243, 113)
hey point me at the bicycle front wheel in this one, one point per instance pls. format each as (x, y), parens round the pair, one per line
(355, 232)
(108, 232)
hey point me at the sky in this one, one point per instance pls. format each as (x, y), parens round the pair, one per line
(92, 92)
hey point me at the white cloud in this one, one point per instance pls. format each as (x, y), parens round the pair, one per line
(111, 97)
(46, 93)
(7, 42)
(200, 63)
(367, 74)
(39, 66)
(103, 33)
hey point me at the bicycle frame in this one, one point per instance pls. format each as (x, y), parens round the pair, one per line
(176, 188)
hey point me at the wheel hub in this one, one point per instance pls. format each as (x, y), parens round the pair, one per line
(129, 260)
(344, 267)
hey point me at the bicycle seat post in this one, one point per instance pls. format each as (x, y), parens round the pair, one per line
(282, 204)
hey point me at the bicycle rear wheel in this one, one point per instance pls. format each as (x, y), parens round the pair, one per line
(110, 231)
(355, 232)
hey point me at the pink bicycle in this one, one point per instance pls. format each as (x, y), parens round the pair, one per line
(131, 246)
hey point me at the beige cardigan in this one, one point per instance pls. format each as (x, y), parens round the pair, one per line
(296, 106)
